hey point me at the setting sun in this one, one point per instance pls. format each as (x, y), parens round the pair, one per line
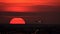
(17, 21)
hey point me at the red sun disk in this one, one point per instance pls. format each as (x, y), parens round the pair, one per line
(17, 21)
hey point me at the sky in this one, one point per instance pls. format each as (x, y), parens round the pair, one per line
(20, 5)
(51, 2)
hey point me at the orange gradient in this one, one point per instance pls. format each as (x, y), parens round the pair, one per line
(17, 21)
(39, 2)
(25, 5)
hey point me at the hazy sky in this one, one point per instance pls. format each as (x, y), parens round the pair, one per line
(33, 1)
(15, 5)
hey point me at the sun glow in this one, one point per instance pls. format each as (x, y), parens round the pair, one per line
(17, 21)
(32, 1)
(25, 5)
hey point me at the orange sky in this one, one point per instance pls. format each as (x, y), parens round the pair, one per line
(32, 1)
(15, 5)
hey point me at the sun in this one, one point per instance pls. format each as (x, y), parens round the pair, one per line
(17, 21)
